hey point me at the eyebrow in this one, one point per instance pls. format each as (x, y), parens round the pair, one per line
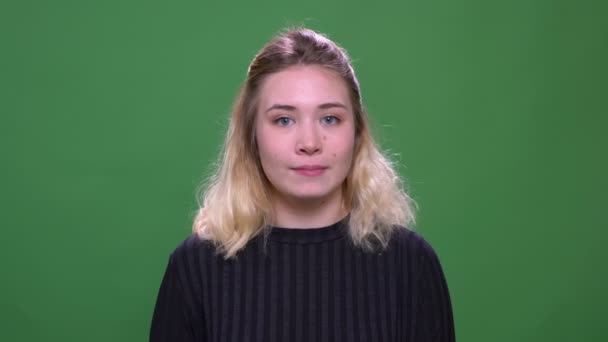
(327, 105)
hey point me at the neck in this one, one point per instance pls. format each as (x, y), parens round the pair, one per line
(314, 213)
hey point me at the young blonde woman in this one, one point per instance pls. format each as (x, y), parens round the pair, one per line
(302, 234)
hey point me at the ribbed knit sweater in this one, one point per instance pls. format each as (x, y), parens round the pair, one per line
(304, 285)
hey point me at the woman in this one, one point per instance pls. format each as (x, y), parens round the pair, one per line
(302, 233)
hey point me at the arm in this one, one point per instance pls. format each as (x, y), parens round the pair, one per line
(434, 310)
(174, 318)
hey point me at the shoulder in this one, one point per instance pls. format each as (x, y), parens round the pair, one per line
(192, 250)
(413, 244)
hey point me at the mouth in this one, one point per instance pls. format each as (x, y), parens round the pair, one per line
(310, 170)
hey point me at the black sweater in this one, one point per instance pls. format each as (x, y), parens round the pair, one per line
(306, 285)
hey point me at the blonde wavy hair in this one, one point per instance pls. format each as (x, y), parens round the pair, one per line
(236, 206)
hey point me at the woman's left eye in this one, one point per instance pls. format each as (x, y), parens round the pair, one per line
(330, 120)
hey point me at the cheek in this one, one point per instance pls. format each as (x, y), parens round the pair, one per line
(267, 156)
(265, 146)
(343, 148)
(270, 151)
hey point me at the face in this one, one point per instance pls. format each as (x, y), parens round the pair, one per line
(305, 133)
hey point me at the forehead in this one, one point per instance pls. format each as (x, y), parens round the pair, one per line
(303, 86)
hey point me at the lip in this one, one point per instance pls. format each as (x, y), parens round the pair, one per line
(310, 170)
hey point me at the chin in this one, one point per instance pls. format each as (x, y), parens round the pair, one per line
(310, 195)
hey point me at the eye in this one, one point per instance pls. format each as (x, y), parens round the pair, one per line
(330, 120)
(283, 121)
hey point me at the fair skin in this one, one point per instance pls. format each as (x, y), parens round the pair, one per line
(305, 133)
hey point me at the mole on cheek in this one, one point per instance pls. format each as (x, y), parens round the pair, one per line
(335, 155)
(324, 137)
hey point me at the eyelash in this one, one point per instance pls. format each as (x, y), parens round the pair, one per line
(335, 120)
(280, 120)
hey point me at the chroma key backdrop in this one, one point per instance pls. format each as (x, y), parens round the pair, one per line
(113, 112)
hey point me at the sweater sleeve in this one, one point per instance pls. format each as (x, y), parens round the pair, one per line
(174, 319)
(434, 312)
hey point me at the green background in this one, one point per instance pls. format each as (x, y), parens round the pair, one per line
(113, 111)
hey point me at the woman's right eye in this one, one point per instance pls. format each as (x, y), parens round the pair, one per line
(283, 121)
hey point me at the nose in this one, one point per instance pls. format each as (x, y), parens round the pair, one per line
(308, 140)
